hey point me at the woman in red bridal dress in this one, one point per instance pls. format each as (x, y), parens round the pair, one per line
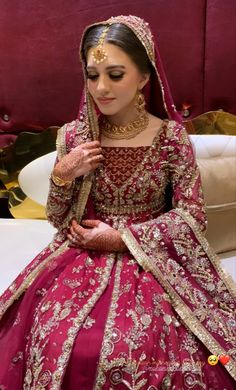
(128, 295)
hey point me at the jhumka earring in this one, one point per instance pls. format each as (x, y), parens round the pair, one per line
(99, 54)
(140, 102)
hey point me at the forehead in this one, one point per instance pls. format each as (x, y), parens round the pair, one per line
(115, 56)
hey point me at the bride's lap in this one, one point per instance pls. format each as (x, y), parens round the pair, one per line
(141, 305)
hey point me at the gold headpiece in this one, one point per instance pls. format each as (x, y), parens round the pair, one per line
(99, 54)
(141, 30)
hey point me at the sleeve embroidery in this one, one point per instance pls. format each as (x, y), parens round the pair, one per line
(62, 200)
(185, 175)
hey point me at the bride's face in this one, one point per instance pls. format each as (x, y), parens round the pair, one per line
(114, 82)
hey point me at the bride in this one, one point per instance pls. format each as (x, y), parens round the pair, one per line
(128, 295)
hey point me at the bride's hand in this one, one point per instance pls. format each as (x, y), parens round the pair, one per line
(81, 160)
(95, 235)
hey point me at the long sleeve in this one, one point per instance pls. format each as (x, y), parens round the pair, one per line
(185, 176)
(61, 202)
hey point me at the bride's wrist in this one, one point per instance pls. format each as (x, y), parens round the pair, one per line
(59, 181)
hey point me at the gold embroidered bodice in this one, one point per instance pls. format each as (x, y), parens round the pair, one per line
(120, 163)
(130, 184)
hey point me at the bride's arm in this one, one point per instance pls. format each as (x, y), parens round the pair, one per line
(185, 176)
(59, 204)
(66, 178)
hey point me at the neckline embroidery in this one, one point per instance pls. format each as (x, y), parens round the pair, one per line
(142, 146)
(140, 165)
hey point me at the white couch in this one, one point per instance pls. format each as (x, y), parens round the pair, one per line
(22, 239)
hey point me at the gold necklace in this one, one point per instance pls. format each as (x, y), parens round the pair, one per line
(133, 128)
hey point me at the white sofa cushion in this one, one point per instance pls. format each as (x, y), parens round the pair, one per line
(21, 241)
(34, 178)
(213, 145)
(218, 176)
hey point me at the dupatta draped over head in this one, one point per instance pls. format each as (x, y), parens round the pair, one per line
(170, 247)
(158, 98)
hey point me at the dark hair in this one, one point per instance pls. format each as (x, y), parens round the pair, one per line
(120, 35)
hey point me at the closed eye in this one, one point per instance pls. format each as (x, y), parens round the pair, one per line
(92, 76)
(116, 76)
(112, 76)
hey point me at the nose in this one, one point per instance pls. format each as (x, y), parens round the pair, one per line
(102, 84)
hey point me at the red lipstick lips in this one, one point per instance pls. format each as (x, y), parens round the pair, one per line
(105, 100)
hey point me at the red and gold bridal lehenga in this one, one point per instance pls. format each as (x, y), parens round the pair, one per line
(144, 319)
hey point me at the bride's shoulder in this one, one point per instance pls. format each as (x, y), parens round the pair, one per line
(72, 134)
(171, 130)
(157, 122)
(154, 121)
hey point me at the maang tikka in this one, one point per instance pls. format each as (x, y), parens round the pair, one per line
(99, 54)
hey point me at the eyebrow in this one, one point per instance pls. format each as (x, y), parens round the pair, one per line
(111, 67)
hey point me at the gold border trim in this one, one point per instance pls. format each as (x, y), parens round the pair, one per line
(87, 180)
(68, 344)
(83, 196)
(99, 379)
(61, 142)
(215, 260)
(181, 308)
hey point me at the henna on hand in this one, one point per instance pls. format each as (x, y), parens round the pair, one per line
(100, 236)
(80, 161)
(110, 241)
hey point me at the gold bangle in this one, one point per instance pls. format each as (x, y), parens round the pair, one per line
(60, 182)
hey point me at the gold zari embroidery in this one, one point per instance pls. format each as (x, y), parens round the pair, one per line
(127, 209)
(107, 344)
(230, 284)
(181, 308)
(77, 323)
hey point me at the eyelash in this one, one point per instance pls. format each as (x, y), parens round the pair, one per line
(113, 77)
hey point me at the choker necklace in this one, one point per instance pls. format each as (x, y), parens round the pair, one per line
(132, 129)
